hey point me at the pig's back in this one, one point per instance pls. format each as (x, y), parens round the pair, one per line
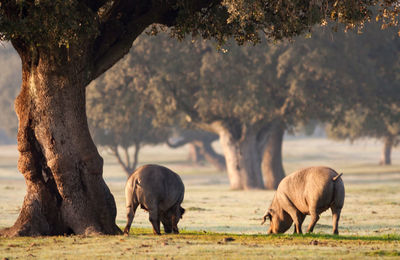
(160, 185)
(310, 187)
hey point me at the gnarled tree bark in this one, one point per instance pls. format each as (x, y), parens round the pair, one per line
(242, 157)
(62, 168)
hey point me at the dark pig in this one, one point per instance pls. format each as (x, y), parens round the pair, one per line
(309, 191)
(159, 191)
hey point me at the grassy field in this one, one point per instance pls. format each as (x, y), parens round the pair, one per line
(225, 224)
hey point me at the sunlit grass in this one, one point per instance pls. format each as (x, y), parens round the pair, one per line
(221, 223)
(141, 243)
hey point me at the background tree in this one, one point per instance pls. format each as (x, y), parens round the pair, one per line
(248, 96)
(372, 71)
(119, 118)
(64, 45)
(362, 122)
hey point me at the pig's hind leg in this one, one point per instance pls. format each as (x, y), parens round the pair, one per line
(130, 214)
(175, 216)
(297, 229)
(335, 219)
(314, 218)
(155, 220)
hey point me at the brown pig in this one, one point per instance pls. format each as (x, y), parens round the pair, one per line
(309, 191)
(159, 191)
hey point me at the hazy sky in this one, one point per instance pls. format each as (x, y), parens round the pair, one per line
(10, 82)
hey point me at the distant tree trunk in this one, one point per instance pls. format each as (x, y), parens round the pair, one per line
(388, 143)
(66, 193)
(195, 154)
(128, 165)
(212, 157)
(135, 158)
(202, 150)
(200, 147)
(243, 161)
(272, 168)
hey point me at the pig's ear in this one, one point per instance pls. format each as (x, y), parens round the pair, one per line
(268, 214)
(182, 211)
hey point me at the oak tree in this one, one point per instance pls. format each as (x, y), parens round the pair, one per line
(119, 117)
(246, 95)
(65, 44)
(372, 71)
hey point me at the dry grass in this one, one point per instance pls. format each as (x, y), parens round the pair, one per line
(199, 245)
(369, 226)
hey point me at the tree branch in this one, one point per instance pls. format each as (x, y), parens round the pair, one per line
(114, 149)
(179, 143)
(136, 156)
(213, 157)
(127, 158)
(94, 5)
(125, 21)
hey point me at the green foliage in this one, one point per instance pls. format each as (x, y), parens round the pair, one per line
(363, 122)
(250, 85)
(46, 22)
(117, 112)
(317, 78)
(373, 75)
(246, 20)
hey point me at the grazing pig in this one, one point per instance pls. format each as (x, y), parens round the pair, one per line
(309, 191)
(159, 191)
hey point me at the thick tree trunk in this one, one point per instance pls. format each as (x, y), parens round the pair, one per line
(272, 168)
(66, 193)
(388, 142)
(243, 161)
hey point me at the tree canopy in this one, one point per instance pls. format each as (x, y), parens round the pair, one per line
(248, 91)
(115, 24)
